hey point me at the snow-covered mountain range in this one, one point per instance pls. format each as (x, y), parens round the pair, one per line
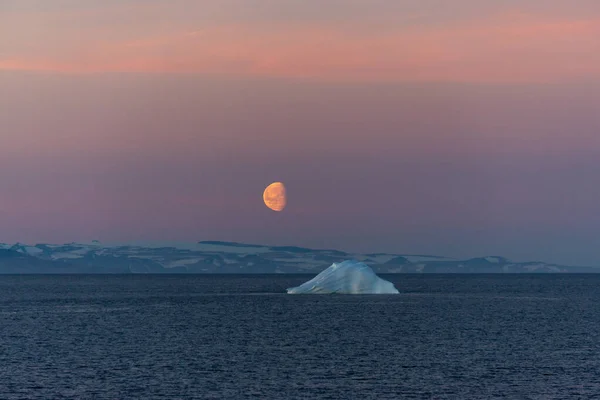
(230, 257)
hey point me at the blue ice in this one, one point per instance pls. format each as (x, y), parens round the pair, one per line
(348, 277)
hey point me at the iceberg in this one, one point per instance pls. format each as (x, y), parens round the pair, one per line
(348, 277)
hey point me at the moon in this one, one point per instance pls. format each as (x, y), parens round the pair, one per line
(275, 197)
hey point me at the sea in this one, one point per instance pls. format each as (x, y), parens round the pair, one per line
(242, 337)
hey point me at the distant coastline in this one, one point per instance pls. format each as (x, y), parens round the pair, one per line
(219, 257)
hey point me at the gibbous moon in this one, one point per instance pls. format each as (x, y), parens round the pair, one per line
(274, 196)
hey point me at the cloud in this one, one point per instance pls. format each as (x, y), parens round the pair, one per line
(507, 47)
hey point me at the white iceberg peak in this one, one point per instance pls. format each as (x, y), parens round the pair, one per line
(348, 277)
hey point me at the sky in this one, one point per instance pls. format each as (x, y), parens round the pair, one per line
(463, 128)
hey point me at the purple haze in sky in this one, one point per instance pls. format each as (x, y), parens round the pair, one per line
(396, 126)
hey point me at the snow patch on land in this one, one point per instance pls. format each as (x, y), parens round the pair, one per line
(493, 260)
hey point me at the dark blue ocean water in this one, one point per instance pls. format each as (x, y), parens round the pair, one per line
(236, 337)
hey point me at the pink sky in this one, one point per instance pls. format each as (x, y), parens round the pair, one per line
(389, 41)
(461, 128)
